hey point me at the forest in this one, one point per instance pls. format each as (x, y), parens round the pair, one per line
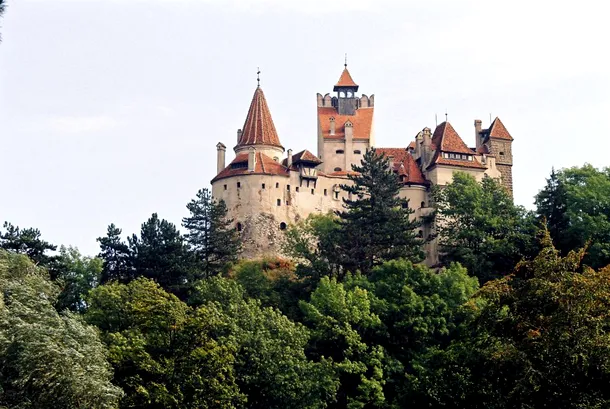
(516, 315)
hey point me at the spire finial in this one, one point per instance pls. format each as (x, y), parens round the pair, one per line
(446, 114)
(345, 64)
(258, 76)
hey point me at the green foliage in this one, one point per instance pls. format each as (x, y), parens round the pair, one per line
(163, 351)
(47, 360)
(584, 193)
(270, 363)
(374, 227)
(480, 227)
(314, 243)
(539, 339)
(210, 234)
(116, 256)
(161, 255)
(76, 275)
(28, 242)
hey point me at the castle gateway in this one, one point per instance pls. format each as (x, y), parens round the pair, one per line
(266, 187)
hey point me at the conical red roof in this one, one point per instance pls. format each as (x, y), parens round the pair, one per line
(259, 128)
(345, 80)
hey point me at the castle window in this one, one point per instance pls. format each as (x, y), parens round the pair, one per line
(238, 185)
(420, 234)
(288, 188)
(423, 204)
(357, 152)
(279, 202)
(225, 187)
(263, 185)
(339, 151)
(337, 195)
(325, 192)
(277, 185)
(337, 169)
(239, 226)
(313, 191)
(405, 205)
(501, 153)
(296, 188)
(282, 226)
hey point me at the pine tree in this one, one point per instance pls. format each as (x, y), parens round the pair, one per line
(552, 206)
(116, 256)
(161, 255)
(375, 227)
(210, 234)
(29, 242)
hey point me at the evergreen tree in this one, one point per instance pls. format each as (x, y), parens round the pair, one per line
(375, 227)
(160, 254)
(210, 234)
(552, 207)
(29, 242)
(116, 256)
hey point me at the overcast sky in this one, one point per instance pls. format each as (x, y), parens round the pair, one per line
(110, 110)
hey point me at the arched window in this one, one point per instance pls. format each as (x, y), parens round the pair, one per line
(337, 169)
(339, 151)
(423, 204)
(239, 226)
(420, 234)
(282, 226)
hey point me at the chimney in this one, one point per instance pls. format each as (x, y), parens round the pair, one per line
(289, 158)
(418, 142)
(220, 157)
(332, 125)
(391, 163)
(349, 130)
(239, 135)
(477, 132)
(426, 146)
(251, 159)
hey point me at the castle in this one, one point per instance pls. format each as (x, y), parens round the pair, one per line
(266, 187)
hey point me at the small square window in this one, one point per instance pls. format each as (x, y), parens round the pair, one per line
(325, 192)
(225, 187)
(263, 185)
(313, 191)
(238, 184)
(296, 188)
(279, 202)
(288, 187)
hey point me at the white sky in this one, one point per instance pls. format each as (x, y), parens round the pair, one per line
(111, 109)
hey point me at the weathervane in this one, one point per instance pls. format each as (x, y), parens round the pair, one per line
(345, 65)
(258, 76)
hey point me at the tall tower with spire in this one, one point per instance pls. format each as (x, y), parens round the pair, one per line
(345, 125)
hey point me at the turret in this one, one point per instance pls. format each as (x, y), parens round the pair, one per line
(220, 157)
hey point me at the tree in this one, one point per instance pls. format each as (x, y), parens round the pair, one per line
(210, 234)
(163, 352)
(551, 209)
(314, 242)
(116, 256)
(480, 227)
(271, 368)
(28, 242)
(160, 254)
(47, 359)
(585, 193)
(375, 227)
(77, 275)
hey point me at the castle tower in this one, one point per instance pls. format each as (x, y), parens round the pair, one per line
(259, 131)
(498, 142)
(345, 126)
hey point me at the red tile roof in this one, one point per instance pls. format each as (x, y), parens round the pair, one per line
(446, 139)
(305, 156)
(264, 166)
(362, 122)
(498, 130)
(404, 165)
(345, 80)
(259, 127)
(473, 164)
